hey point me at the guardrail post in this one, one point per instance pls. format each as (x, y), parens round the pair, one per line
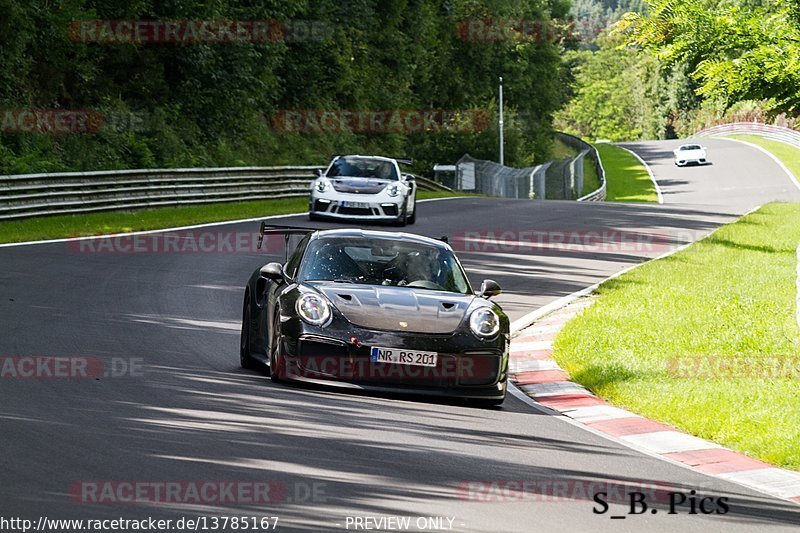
(578, 172)
(539, 180)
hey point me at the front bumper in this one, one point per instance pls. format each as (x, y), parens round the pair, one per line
(333, 204)
(691, 161)
(466, 366)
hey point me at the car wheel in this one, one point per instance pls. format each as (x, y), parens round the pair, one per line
(277, 364)
(244, 341)
(413, 217)
(402, 219)
(312, 217)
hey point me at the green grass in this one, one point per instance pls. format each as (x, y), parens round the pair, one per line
(726, 300)
(789, 155)
(591, 182)
(627, 178)
(79, 225)
(561, 150)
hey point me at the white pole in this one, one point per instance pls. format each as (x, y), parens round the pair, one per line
(500, 123)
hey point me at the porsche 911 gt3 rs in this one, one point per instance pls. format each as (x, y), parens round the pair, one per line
(375, 310)
(367, 188)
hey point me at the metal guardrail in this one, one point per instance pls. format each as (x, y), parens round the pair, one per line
(777, 133)
(426, 184)
(553, 180)
(598, 195)
(30, 195)
(586, 150)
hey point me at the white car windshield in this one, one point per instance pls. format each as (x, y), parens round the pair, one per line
(363, 167)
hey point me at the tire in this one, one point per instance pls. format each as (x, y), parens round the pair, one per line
(312, 217)
(402, 219)
(245, 360)
(277, 365)
(413, 218)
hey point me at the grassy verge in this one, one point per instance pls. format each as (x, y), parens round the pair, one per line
(627, 178)
(591, 182)
(561, 150)
(789, 155)
(79, 225)
(705, 340)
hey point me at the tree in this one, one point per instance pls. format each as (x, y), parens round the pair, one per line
(736, 49)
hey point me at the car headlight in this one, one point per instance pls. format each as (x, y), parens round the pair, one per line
(484, 322)
(393, 189)
(313, 309)
(322, 185)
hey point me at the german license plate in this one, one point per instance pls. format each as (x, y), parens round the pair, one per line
(403, 357)
(357, 205)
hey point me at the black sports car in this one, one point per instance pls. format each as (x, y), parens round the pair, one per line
(375, 310)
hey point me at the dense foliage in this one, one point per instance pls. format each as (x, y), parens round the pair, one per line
(677, 66)
(204, 103)
(735, 49)
(617, 92)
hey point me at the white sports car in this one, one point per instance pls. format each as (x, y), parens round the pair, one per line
(687, 154)
(369, 188)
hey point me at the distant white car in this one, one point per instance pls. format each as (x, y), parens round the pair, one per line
(368, 188)
(688, 154)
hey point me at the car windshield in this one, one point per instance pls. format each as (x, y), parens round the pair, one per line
(363, 167)
(383, 262)
(690, 147)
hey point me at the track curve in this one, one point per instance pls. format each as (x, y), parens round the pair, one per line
(192, 414)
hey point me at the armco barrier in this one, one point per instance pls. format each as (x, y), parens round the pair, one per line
(582, 146)
(31, 195)
(777, 133)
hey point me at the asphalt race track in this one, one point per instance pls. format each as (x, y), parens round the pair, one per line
(187, 413)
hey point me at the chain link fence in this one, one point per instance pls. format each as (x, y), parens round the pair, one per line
(554, 180)
(493, 179)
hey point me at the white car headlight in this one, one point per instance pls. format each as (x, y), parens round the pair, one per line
(313, 309)
(484, 322)
(393, 189)
(322, 185)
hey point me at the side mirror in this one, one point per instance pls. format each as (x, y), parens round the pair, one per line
(273, 271)
(318, 172)
(408, 177)
(489, 288)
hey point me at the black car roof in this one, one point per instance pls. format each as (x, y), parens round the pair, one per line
(386, 235)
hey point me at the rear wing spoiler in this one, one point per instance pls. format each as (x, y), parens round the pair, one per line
(408, 161)
(286, 231)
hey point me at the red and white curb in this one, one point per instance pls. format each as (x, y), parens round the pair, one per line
(534, 371)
